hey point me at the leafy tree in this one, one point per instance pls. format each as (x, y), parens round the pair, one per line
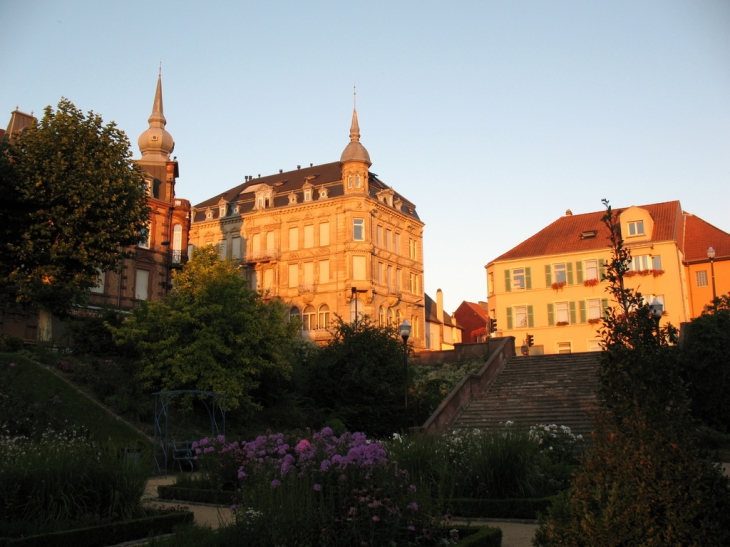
(644, 481)
(72, 200)
(358, 377)
(212, 333)
(706, 364)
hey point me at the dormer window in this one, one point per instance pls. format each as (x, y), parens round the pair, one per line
(308, 195)
(260, 202)
(322, 193)
(222, 211)
(209, 214)
(148, 187)
(636, 228)
(236, 210)
(292, 199)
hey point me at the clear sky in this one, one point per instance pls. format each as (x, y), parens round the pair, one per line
(492, 117)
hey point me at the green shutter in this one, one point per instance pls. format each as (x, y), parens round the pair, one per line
(509, 318)
(551, 317)
(530, 319)
(569, 265)
(573, 320)
(582, 308)
(604, 305)
(507, 281)
(528, 278)
(548, 277)
(656, 262)
(579, 271)
(601, 269)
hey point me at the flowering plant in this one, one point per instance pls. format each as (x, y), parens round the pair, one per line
(558, 285)
(590, 282)
(562, 323)
(631, 273)
(594, 320)
(657, 273)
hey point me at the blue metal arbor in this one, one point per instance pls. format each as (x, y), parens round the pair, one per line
(214, 403)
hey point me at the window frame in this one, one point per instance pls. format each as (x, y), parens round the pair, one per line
(636, 228)
(358, 229)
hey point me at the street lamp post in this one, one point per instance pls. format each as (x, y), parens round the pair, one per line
(657, 308)
(711, 256)
(405, 332)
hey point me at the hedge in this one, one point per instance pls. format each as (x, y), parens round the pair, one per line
(106, 534)
(482, 536)
(520, 508)
(216, 497)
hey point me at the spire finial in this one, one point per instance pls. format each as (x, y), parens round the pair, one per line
(157, 118)
(354, 95)
(159, 75)
(355, 126)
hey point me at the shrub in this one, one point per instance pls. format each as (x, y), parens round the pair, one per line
(10, 343)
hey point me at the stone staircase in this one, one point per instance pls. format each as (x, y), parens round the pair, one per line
(538, 389)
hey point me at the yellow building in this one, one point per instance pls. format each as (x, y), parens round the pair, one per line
(327, 240)
(550, 287)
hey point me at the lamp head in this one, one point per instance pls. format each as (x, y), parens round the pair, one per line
(405, 329)
(710, 253)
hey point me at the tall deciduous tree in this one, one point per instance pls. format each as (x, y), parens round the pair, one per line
(212, 333)
(644, 481)
(72, 200)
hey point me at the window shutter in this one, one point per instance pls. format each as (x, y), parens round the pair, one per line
(507, 281)
(569, 265)
(509, 318)
(579, 271)
(604, 305)
(601, 269)
(548, 277)
(530, 320)
(582, 308)
(528, 278)
(551, 315)
(656, 262)
(573, 320)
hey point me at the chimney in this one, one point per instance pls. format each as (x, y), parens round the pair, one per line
(440, 305)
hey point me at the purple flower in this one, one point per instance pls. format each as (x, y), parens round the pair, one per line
(12, 364)
(221, 438)
(242, 474)
(233, 507)
(318, 487)
(413, 506)
(412, 487)
(324, 466)
(327, 432)
(302, 446)
(275, 483)
(411, 528)
(376, 518)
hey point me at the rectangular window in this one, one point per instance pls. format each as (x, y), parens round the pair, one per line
(144, 238)
(324, 271)
(256, 243)
(398, 279)
(564, 347)
(701, 277)
(641, 262)
(656, 262)
(518, 279)
(412, 249)
(595, 345)
(594, 309)
(636, 228)
(389, 276)
(358, 229)
(270, 240)
(236, 247)
(491, 283)
(520, 316)
(309, 273)
(293, 275)
(222, 247)
(99, 287)
(379, 241)
(559, 273)
(141, 284)
(358, 268)
(308, 236)
(562, 312)
(324, 234)
(268, 279)
(412, 283)
(388, 237)
(381, 273)
(591, 269)
(396, 243)
(293, 239)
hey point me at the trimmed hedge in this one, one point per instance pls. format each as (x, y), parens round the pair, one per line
(216, 497)
(522, 508)
(106, 534)
(482, 536)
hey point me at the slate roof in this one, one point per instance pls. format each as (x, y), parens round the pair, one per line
(567, 234)
(700, 235)
(328, 175)
(432, 317)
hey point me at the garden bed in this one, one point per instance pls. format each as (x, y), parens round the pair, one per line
(106, 534)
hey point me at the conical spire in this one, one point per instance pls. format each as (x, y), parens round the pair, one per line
(156, 143)
(355, 127)
(355, 151)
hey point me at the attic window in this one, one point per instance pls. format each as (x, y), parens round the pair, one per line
(308, 195)
(236, 210)
(322, 193)
(209, 214)
(588, 234)
(292, 199)
(636, 228)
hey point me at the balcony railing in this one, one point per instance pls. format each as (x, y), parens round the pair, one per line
(307, 287)
(179, 257)
(263, 256)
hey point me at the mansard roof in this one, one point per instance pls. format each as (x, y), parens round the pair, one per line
(586, 232)
(328, 175)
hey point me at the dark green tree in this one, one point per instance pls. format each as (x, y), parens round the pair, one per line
(212, 333)
(358, 377)
(644, 482)
(72, 200)
(705, 353)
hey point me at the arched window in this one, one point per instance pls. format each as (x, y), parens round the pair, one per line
(381, 316)
(357, 309)
(294, 314)
(309, 315)
(177, 244)
(390, 316)
(357, 180)
(324, 316)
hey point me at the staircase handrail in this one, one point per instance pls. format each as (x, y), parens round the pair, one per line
(469, 387)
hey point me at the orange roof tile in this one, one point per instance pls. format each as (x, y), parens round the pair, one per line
(564, 235)
(701, 235)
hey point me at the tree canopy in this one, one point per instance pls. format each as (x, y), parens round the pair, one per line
(212, 333)
(72, 201)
